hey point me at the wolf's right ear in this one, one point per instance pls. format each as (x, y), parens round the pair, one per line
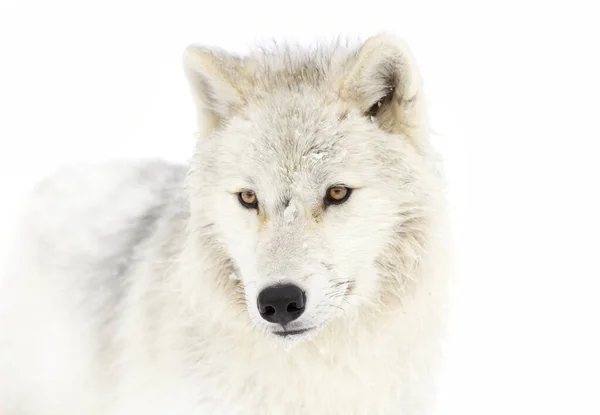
(213, 76)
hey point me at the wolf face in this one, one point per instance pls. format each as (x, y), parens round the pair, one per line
(311, 174)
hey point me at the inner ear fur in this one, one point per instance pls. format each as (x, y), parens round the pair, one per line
(382, 80)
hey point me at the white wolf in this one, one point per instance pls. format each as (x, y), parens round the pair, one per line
(296, 266)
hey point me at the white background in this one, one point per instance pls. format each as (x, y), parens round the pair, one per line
(514, 100)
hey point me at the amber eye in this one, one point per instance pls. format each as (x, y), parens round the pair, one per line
(337, 195)
(248, 199)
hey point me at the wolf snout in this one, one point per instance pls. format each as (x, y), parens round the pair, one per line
(281, 303)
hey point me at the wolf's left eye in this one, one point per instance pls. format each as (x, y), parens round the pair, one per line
(337, 195)
(248, 199)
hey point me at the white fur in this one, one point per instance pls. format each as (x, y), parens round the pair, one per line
(140, 296)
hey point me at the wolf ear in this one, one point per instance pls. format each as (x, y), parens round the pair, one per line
(384, 83)
(213, 76)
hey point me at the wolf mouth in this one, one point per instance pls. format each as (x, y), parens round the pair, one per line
(291, 332)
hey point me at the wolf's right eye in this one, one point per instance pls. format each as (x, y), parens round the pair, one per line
(248, 199)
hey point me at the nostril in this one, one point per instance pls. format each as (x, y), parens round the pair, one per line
(269, 311)
(292, 308)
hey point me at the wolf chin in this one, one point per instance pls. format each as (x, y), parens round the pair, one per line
(297, 265)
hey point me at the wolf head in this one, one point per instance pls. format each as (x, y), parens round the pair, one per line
(312, 176)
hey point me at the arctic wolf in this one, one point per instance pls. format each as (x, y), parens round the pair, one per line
(296, 266)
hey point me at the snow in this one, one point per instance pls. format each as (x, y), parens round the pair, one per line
(290, 213)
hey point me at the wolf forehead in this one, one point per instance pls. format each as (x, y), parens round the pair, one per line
(297, 131)
(307, 147)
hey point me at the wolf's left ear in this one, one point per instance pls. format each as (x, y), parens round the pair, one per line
(215, 79)
(382, 80)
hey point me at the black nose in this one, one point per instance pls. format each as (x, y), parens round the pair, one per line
(281, 303)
